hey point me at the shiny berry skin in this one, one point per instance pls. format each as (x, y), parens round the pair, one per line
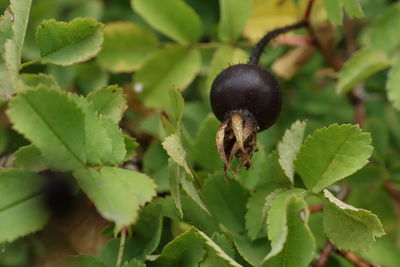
(247, 87)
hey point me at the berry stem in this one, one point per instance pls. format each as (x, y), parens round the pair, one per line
(259, 48)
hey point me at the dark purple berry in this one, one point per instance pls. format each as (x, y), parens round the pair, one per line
(247, 87)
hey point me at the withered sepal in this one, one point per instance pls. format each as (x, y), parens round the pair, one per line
(236, 137)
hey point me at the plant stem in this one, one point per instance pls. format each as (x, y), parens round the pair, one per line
(324, 255)
(259, 48)
(354, 259)
(121, 247)
(392, 191)
(28, 63)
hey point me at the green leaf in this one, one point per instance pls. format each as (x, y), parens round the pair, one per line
(173, 66)
(20, 10)
(278, 220)
(177, 104)
(331, 154)
(34, 80)
(226, 201)
(155, 164)
(348, 227)
(290, 146)
(175, 174)
(382, 33)
(363, 64)
(252, 251)
(233, 17)
(109, 101)
(353, 8)
(146, 234)
(224, 56)
(29, 158)
(225, 243)
(90, 77)
(215, 256)
(9, 69)
(98, 144)
(117, 193)
(204, 152)
(81, 260)
(57, 129)
(21, 208)
(131, 146)
(191, 191)
(185, 250)
(5, 28)
(299, 246)
(173, 145)
(392, 84)
(380, 137)
(257, 208)
(117, 141)
(334, 11)
(134, 263)
(64, 43)
(173, 18)
(126, 47)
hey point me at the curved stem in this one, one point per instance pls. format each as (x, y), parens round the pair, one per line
(121, 248)
(259, 48)
(28, 63)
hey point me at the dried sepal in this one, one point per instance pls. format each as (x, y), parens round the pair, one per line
(236, 137)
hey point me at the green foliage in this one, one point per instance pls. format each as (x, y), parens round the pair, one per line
(290, 146)
(134, 127)
(392, 85)
(21, 208)
(126, 47)
(233, 15)
(78, 261)
(68, 43)
(331, 154)
(13, 25)
(335, 13)
(173, 66)
(56, 129)
(173, 18)
(173, 146)
(117, 193)
(362, 65)
(109, 101)
(348, 227)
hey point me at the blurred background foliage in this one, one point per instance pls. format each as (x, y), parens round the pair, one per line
(146, 62)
